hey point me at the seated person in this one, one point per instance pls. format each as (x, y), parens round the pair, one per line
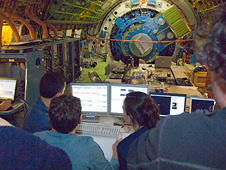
(142, 113)
(21, 150)
(65, 115)
(4, 105)
(52, 84)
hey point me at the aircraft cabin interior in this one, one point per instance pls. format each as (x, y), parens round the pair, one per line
(110, 47)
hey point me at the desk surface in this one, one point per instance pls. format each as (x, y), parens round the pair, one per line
(106, 142)
(179, 72)
(190, 91)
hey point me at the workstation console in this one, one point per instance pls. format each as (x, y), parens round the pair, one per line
(7, 92)
(101, 100)
(102, 109)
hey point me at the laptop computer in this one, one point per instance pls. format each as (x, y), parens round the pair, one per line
(201, 104)
(115, 76)
(7, 91)
(7, 88)
(163, 61)
(169, 103)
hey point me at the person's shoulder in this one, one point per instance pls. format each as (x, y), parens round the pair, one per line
(202, 114)
(87, 142)
(185, 116)
(42, 133)
(86, 139)
(72, 136)
(190, 119)
(180, 119)
(38, 103)
(171, 120)
(36, 107)
(124, 142)
(133, 136)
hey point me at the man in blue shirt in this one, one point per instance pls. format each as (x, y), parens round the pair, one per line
(84, 152)
(52, 84)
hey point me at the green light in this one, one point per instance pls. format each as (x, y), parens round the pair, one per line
(55, 56)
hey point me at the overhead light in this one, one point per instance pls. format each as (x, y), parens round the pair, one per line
(6, 34)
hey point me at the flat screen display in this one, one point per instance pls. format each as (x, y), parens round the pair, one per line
(94, 97)
(118, 94)
(169, 103)
(201, 104)
(7, 88)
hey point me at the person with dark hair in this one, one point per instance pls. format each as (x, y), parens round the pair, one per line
(52, 84)
(142, 113)
(196, 140)
(21, 150)
(84, 152)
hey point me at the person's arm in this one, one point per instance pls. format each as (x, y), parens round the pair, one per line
(114, 148)
(37, 120)
(5, 105)
(98, 160)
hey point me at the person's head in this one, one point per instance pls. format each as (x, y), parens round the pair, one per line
(214, 56)
(65, 113)
(140, 109)
(52, 84)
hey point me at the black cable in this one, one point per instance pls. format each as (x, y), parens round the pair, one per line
(25, 105)
(124, 74)
(173, 76)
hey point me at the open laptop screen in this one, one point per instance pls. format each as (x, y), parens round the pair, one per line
(163, 61)
(201, 104)
(169, 103)
(7, 88)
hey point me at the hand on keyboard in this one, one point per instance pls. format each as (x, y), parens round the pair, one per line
(5, 105)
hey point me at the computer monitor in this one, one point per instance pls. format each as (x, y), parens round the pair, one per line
(169, 103)
(118, 94)
(201, 104)
(7, 88)
(94, 97)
